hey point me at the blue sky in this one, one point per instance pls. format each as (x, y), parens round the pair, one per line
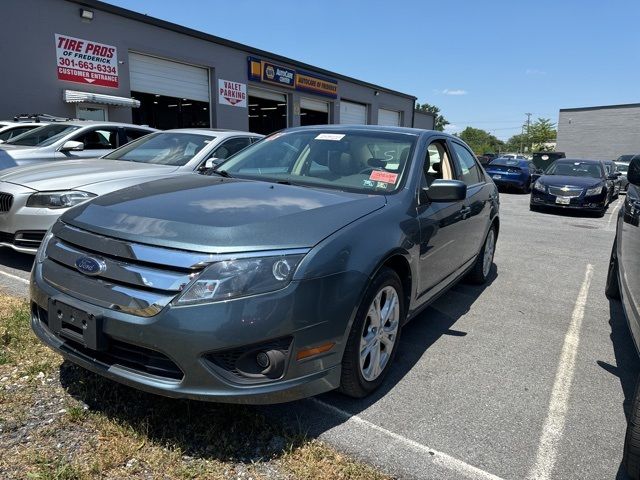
(483, 63)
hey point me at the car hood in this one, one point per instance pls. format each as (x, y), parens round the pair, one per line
(218, 215)
(79, 174)
(564, 180)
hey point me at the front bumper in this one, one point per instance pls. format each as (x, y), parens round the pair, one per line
(175, 352)
(594, 203)
(22, 228)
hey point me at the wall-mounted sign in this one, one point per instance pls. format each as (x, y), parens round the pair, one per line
(267, 72)
(85, 61)
(232, 93)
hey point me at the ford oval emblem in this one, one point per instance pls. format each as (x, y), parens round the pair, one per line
(90, 266)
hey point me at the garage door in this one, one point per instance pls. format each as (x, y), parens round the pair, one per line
(163, 77)
(388, 117)
(353, 113)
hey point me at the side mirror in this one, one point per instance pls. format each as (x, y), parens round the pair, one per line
(612, 176)
(633, 174)
(72, 146)
(211, 163)
(446, 191)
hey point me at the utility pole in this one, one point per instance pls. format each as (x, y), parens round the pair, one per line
(528, 125)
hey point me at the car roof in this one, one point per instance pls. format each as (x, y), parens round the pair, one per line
(94, 123)
(370, 128)
(214, 132)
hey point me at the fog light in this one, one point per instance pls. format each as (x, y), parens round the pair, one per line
(262, 359)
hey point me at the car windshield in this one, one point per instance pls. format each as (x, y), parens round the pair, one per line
(505, 162)
(576, 169)
(623, 167)
(43, 136)
(353, 160)
(162, 148)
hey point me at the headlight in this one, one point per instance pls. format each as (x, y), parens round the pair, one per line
(594, 191)
(539, 186)
(41, 255)
(240, 277)
(63, 199)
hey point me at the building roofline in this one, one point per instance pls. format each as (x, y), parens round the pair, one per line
(123, 12)
(601, 107)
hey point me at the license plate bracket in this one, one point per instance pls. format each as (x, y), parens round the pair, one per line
(563, 200)
(76, 325)
(497, 177)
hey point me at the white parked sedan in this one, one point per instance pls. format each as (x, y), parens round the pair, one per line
(33, 197)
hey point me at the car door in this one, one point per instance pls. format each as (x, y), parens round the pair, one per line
(628, 258)
(441, 223)
(97, 141)
(477, 206)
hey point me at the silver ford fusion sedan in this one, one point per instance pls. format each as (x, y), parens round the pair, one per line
(287, 272)
(33, 197)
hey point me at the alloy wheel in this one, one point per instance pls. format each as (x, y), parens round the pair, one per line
(379, 333)
(489, 249)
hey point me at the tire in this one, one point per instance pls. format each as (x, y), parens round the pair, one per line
(612, 287)
(527, 187)
(481, 269)
(631, 453)
(362, 374)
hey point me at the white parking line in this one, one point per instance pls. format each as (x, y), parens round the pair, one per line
(559, 403)
(438, 458)
(15, 277)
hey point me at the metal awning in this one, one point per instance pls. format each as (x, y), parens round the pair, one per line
(73, 96)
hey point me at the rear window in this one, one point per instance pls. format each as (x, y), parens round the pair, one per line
(507, 162)
(43, 136)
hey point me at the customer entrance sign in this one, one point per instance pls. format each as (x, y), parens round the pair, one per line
(85, 61)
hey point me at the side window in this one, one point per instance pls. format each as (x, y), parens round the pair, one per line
(132, 134)
(437, 163)
(14, 132)
(99, 139)
(469, 170)
(230, 147)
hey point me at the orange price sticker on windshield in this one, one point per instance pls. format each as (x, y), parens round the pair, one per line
(380, 176)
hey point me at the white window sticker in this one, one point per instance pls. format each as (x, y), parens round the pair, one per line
(330, 136)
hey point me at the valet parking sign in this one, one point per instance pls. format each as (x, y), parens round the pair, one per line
(232, 93)
(85, 61)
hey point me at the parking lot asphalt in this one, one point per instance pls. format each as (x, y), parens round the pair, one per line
(526, 377)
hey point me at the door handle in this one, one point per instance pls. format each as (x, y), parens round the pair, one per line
(464, 211)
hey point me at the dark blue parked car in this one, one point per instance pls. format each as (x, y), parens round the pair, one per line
(512, 172)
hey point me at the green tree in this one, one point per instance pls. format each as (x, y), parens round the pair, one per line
(481, 141)
(542, 131)
(517, 143)
(440, 122)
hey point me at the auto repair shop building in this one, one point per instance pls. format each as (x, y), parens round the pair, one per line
(92, 60)
(599, 133)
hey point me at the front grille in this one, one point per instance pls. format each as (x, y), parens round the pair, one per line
(137, 279)
(565, 191)
(6, 202)
(125, 354)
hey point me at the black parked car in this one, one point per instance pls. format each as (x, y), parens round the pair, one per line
(612, 171)
(623, 282)
(573, 184)
(622, 164)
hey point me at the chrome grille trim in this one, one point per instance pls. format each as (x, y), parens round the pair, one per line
(138, 276)
(6, 202)
(102, 293)
(568, 192)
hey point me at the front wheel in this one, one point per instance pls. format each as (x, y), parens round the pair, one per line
(373, 340)
(480, 271)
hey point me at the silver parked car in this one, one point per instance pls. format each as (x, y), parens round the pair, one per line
(70, 140)
(33, 197)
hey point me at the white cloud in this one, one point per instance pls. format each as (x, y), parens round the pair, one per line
(454, 91)
(534, 71)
